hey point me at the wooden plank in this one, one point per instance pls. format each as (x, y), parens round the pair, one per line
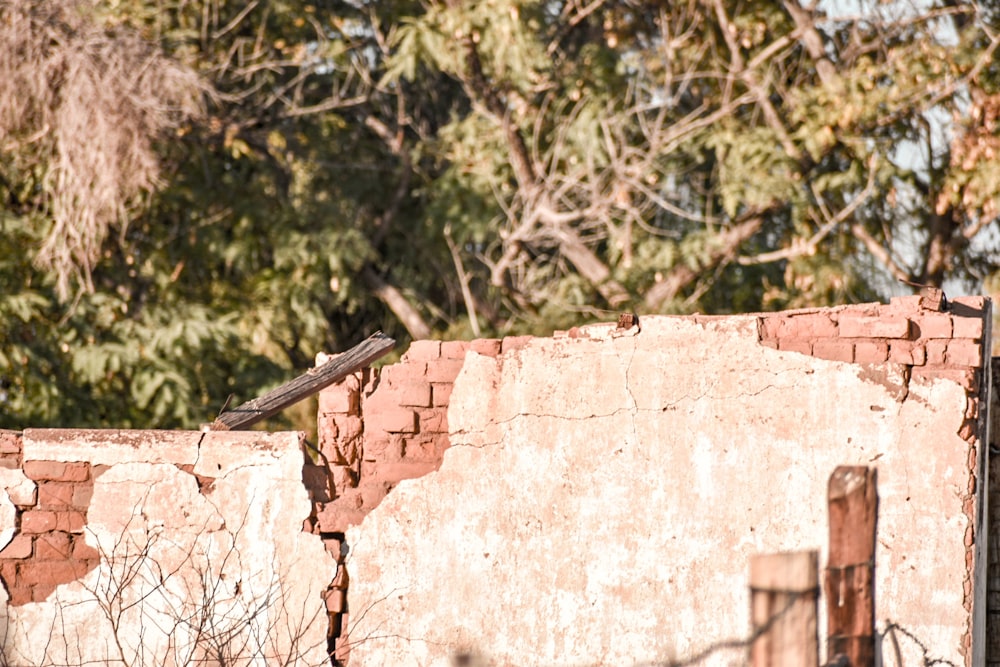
(304, 385)
(849, 582)
(784, 593)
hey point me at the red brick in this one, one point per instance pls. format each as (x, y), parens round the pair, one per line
(415, 395)
(10, 442)
(335, 601)
(53, 546)
(55, 494)
(348, 426)
(57, 471)
(402, 374)
(372, 494)
(971, 302)
(967, 327)
(905, 304)
(41, 592)
(814, 325)
(20, 595)
(396, 472)
(383, 399)
(514, 343)
(38, 470)
(76, 472)
(967, 432)
(444, 370)
(51, 572)
(392, 421)
(38, 521)
(833, 349)
(339, 399)
(83, 551)
(442, 393)
(965, 353)
(773, 326)
(350, 499)
(852, 326)
(871, 351)
(932, 298)
(19, 547)
(420, 449)
(71, 521)
(396, 420)
(795, 345)
(769, 342)
(386, 448)
(342, 478)
(433, 421)
(488, 347)
(454, 349)
(935, 352)
(423, 350)
(933, 325)
(334, 518)
(907, 352)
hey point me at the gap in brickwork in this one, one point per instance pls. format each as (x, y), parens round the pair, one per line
(49, 547)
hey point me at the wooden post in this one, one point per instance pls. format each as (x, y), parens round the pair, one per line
(784, 589)
(304, 385)
(849, 581)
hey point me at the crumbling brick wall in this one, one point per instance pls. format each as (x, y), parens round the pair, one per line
(932, 339)
(378, 428)
(48, 547)
(90, 518)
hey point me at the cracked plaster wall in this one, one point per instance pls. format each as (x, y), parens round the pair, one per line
(166, 548)
(603, 490)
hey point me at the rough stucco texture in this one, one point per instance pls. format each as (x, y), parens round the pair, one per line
(194, 553)
(602, 496)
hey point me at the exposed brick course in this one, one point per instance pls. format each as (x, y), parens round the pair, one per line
(871, 351)
(875, 327)
(423, 350)
(19, 547)
(834, 349)
(10, 442)
(57, 471)
(378, 427)
(38, 521)
(488, 347)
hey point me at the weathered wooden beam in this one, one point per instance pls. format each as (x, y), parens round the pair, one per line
(784, 594)
(304, 385)
(849, 582)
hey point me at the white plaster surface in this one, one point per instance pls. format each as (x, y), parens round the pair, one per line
(17, 485)
(224, 576)
(601, 500)
(15, 489)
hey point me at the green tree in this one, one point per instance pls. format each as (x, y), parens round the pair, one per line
(285, 177)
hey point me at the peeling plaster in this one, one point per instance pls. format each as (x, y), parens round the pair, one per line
(180, 570)
(608, 517)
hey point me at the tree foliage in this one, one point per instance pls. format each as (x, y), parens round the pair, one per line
(285, 177)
